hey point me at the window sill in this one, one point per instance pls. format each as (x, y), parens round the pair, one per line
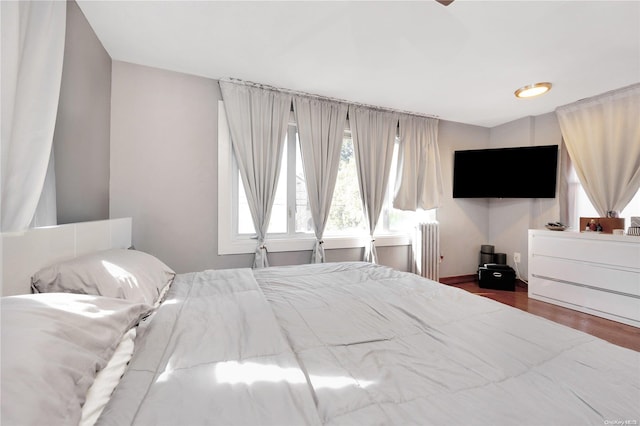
(275, 244)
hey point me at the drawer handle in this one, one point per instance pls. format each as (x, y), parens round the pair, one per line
(497, 274)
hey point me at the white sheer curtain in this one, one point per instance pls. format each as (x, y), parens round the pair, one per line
(373, 134)
(46, 214)
(258, 120)
(567, 190)
(602, 135)
(418, 177)
(321, 127)
(33, 36)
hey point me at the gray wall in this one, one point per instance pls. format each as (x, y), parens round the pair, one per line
(464, 223)
(164, 134)
(164, 175)
(81, 137)
(510, 219)
(163, 163)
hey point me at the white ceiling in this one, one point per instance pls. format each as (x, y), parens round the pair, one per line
(461, 63)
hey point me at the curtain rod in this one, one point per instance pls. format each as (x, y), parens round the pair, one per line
(320, 97)
(623, 91)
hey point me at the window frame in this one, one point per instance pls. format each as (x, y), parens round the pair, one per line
(231, 243)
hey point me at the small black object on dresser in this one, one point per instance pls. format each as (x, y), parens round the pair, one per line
(497, 277)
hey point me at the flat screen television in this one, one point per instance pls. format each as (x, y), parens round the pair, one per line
(519, 172)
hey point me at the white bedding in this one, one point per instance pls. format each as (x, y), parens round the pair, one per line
(355, 343)
(212, 354)
(107, 380)
(382, 346)
(53, 346)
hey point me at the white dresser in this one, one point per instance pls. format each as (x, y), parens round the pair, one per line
(594, 273)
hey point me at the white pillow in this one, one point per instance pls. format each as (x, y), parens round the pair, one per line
(53, 346)
(121, 273)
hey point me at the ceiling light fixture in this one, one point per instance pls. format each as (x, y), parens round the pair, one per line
(533, 90)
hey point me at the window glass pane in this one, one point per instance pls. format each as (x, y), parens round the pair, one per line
(346, 216)
(245, 223)
(632, 209)
(304, 221)
(392, 219)
(400, 220)
(584, 207)
(278, 223)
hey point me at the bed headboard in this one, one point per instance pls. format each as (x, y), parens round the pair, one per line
(24, 253)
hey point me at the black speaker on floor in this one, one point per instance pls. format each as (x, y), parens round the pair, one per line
(497, 277)
(486, 254)
(500, 258)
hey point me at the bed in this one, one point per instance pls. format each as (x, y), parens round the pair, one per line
(334, 344)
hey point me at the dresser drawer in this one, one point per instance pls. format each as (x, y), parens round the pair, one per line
(594, 273)
(601, 251)
(611, 278)
(623, 308)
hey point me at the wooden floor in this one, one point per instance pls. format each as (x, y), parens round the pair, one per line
(612, 331)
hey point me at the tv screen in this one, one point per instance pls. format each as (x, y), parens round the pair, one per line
(521, 172)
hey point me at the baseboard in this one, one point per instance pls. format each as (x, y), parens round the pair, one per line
(473, 277)
(521, 283)
(458, 279)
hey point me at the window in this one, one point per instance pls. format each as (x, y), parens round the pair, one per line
(584, 208)
(346, 215)
(291, 226)
(290, 213)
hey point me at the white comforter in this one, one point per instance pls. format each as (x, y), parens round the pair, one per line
(385, 347)
(355, 343)
(212, 354)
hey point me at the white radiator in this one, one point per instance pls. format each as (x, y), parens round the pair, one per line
(426, 250)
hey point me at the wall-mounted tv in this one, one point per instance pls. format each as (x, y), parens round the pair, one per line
(519, 172)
